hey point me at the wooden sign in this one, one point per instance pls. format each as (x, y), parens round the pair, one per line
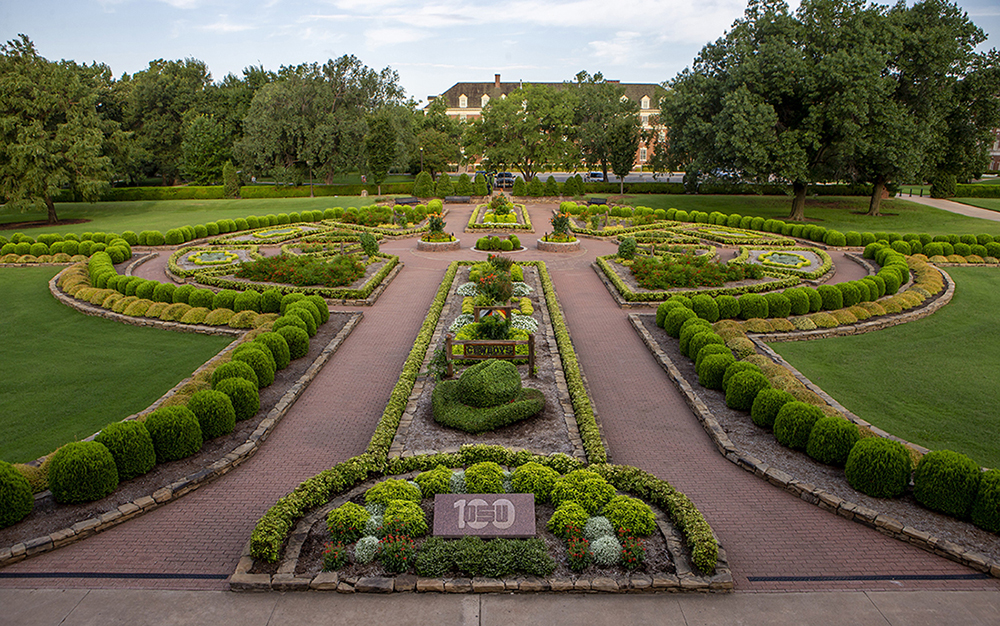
(484, 515)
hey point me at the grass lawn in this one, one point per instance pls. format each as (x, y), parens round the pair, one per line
(993, 204)
(165, 214)
(65, 375)
(935, 382)
(839, 213)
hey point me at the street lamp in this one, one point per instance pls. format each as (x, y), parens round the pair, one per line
(421, 158)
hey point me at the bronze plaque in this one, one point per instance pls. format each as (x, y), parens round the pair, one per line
(484, 515)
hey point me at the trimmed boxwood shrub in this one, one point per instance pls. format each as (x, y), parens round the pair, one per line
(175, 431)
(248, 300)
(767, 404)
(736, 368)
(831, 440)
(16, 499)
(946, 481)
(201, 298)
(675, 318)
(568, 515)
(243, 395)
(308, 305)
(270, 301)
(708, 350)
(257, 347)
(729, 306)
(278, 347)
(82, 471)
(705, 307)
(986, 506)
(585, 487)
(878, 467)
(234, 369)
(485, 477)
(263, 369)
(743, 388)
(631, 515)
(321, 306)
(214, 411)
(131, 447)
(753, 305)
(849, 294)
(489, 383)
(891, 279)
(778, 305)
(713, 368)
(534, 478)
(297, 310)
(701, 340)
(297, 340)
(183, 293)
(289, 320)
(689, 329)
(224, 299)
(794, 423)
(833, 298)
(798, 301)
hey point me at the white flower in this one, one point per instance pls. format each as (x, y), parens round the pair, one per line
(521, 290)
(462, 320)
(467, 289)
(524, 322)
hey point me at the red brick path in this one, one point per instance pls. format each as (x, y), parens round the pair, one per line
(765, 531)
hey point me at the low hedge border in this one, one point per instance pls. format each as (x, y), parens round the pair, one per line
(764, 239)
(176, 489)
(803, 490)
(314, 228)
(475, 226)
(178, 271)
(827, 265)
(671, 504)
(624, 294)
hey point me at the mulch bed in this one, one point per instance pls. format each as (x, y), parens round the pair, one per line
(48, 516)
(761, 443)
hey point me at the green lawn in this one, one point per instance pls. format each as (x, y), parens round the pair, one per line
(65, 375)
(165, 214)
(935, 382)
(839, 213)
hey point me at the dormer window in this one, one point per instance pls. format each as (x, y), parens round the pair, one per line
(463, 101)
(485, 101)
(645, 102)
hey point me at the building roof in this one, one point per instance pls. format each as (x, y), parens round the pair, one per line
(475, 91)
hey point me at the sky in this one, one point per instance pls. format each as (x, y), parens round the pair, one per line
(432, 44)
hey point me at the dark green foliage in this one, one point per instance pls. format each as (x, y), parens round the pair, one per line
(588, 489)
(145, 289)
(878, 467)
(947, 481)
(833, 298)
(201, 298)
(263, 369)
(626, 248)
(243, 394)
(743, 388)
(767, 404)
(891, 280)
(225, 299)
(708, 350)
(672, 322)
(175, 431)
(662, 309)
(278, 347)
(701, 340)
(778, 305)
(248, 300)
(449, 410)
(289, 298)
(290, 320)
(798, 301)
(485, 477)
(300, 311)
(163, 292)
(16, 500)
(794, 422)
(986, 506)
(815, 299)
(214, 411)
(753, 305)
(270, 301)
(713, 368)
(534, 478)
(705, 307)
(631, 515)
(183, 293)
(131, 447)
(736, 368)
(434, 481)
(691, 327)
(297, 340)
(308, 305)
(489, 383)
(729, 307)
(82, 471)
(234, 369)
(321, 306)
(257, 347)
(849, 293)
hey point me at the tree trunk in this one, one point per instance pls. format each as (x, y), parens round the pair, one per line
(53, 218)
(878, 188)
(798, 213)
(379, 189)
(621, 186)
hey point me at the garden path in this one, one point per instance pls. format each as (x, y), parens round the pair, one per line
(194, 542)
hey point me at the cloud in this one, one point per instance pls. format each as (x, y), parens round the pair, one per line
(388, 36)
(224, 26)
(182, 4)
(624, 48)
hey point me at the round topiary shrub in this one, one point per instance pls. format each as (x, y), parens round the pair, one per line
(585, 487)
(986, 506)
(947, 481)
(675, 318)
(201, 298)
(689, 329)
(831, 440)
(234, 369)
(270, 301)
(175, 431)
(534, 478)
(253, 346)
(489, 383)
(289, 320)
(435, 481)
(767, 404)
(701, 340)
(308, 305)
(778, 304)
(708, 350)
(16, 499)
(849, 293)
(248, 300)
(753, 305)
(568, 516)
(705, 307)
(403, 517)
(278, 347)
(485, 477)
(297, 340)
(794, 422)
(130, 446)
(224, 299)
(263, 369)
(392, 489)
(82, 471)
(736, 368)
(214, 411)
(878, 467)
(713, 368)
(729, 306)
(743, 389)
(243, 394)
(321, 306)
(832, 297)
(631, 515)
(305, 315)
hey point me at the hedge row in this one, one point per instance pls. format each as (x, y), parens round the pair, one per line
(322, 191)
(480, 211)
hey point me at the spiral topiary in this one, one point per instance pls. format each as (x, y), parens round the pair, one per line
(986, 506)
(567, 515)
(878, 467)
(175, 432)
(589, 489)
(82, 471)
(214, 411)
(392, 489)
(767, 404)
(485, 477)
(631, 515)
(297, 340)
(536, 479)
(947, 481)
(234, 369)
(831, 440)
(742, 389)
(243, 394)
(794, 422)
(16, 499)
(130, 446)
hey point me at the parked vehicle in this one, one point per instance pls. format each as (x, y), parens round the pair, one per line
(593, 177)
(504, 180)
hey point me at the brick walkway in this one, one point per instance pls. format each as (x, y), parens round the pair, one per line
(766, 532)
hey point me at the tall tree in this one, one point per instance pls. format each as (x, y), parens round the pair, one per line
(380, 146)
(599, 111)
(624, 134)
(51, 133)
(527, 130)
(205, 149)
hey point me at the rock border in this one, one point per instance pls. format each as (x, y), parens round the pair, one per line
(174, 490)
(438, 246)
(559, 246)
(684, 580)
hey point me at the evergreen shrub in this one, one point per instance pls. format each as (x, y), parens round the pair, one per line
(878, 467)
(214, 411)
(947, 481)
(130, 446)
(175, 432)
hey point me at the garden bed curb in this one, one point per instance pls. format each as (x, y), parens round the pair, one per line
(559, 246)
(176, 489)
(438, 246)
(806, 491)
(685, 579)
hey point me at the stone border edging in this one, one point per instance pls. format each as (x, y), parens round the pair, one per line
(558, 246)
(176, 489)
(684, 578)
(438, 246)
(807, 491)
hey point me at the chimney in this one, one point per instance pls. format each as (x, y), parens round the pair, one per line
(496, 81)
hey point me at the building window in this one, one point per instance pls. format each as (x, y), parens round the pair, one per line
(645, 120)
(642, 155)
(645, 102)
(485, 101)
(463, 101)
